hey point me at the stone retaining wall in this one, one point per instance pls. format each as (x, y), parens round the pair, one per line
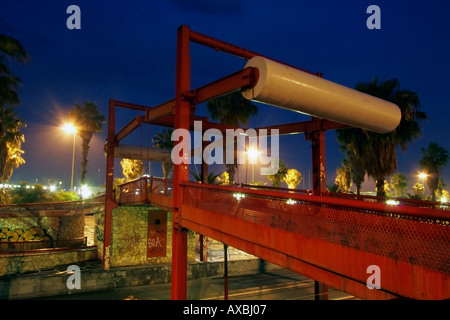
(19, 263)
(63, 227)
(130, 238)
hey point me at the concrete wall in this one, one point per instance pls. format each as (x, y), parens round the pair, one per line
(129, 240)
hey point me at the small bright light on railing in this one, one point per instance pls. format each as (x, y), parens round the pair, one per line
(392, 202)
(85, 192)
(444, 199)
(290, 201)
(239, 196)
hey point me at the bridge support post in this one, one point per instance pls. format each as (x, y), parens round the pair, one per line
(110, 202)
(181, 171)
(319, 188)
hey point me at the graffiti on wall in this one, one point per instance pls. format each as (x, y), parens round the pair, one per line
(157, 234)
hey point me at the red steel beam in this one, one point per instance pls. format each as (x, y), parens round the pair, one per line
(165, 109)
(130, 127)
(128, 105)
(181, 171)
(241, 79)
(110, 203)
(220, 45)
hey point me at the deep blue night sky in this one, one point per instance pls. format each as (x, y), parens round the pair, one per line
(126, 50)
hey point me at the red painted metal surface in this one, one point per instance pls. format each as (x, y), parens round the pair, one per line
(181, 171)
(110, 202)
(333, 241)
(328, 239)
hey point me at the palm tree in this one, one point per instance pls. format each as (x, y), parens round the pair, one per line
(399, 183)
(11, 137)
(234, 110)
(434, 158)
(163, 140)
(88, 120)
(292, 178)
(352, 144)
(343, 179)
(132, 168)
(378, 151)
(277, 178)
(10, 48)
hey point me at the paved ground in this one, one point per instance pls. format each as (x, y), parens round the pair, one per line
(277, 285)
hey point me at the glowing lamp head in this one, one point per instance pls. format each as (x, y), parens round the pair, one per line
(423, 175)
(69, 128)
(252, 154)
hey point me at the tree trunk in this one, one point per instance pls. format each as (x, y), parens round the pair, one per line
(380, 187)
(84, 161)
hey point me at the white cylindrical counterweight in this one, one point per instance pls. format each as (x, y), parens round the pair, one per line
(290, 88)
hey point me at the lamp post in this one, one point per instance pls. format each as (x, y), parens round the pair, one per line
(253, 155)
(69, 128)
(423, 176)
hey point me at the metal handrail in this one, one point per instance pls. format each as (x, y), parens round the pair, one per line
(400, 209)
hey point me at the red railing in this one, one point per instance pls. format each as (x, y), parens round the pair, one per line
(409, 235)
(140, 191)
(313, 228)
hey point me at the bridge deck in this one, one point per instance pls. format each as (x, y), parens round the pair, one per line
(331, 240)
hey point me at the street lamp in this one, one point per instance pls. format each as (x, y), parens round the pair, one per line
(70, 128)
(253, 154)
(423, 176)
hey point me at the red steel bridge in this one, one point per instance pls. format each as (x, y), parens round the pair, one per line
(331, 239)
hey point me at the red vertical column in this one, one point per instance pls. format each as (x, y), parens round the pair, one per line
(110, 202)
(319, 188)
(181, 171)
